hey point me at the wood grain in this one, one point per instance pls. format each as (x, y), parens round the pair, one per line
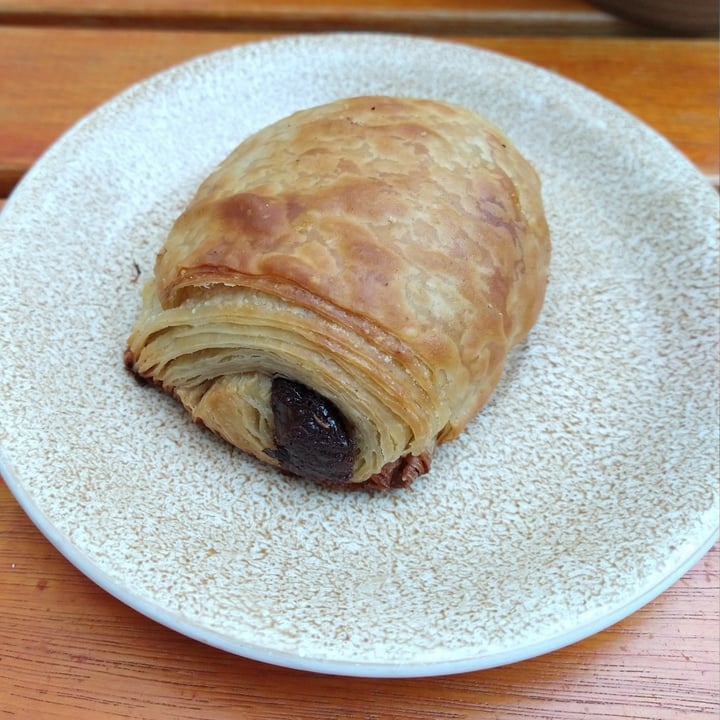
(71, 651)
(50, 77)
(553, 17)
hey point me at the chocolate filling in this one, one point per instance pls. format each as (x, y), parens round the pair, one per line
(311, 436)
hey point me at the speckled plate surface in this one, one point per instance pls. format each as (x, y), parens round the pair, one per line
(585, 488)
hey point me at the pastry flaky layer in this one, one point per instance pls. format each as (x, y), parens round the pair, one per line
(341, 294)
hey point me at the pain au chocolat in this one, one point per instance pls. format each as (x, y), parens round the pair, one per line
(340, 295)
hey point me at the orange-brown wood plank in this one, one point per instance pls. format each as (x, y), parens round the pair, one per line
(50, 77)
(69, 651)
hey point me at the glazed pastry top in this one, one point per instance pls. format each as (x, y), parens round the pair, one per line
(413, 216)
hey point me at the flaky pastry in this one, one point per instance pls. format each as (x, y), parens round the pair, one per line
(340, 295)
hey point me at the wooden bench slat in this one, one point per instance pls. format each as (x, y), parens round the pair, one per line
(553, 17)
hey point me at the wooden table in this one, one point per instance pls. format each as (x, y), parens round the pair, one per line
(68, 649)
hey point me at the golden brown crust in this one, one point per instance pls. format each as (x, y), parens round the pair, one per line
(405, 237)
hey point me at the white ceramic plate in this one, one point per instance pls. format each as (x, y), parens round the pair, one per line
(583, 490)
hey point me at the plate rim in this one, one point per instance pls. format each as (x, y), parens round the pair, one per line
(332, 666)
(346, 668)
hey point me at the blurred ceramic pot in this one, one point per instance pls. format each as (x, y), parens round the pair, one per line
(689, 17)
